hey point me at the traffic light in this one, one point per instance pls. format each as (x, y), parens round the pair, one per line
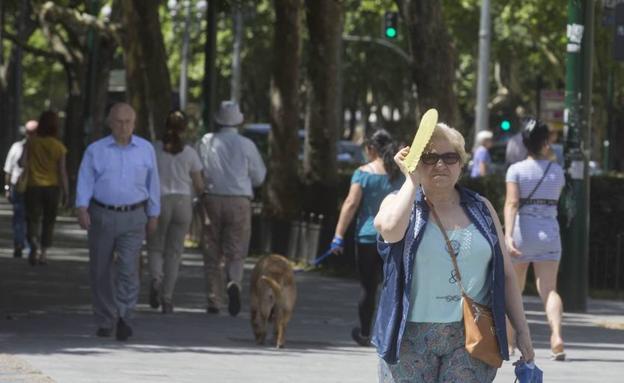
(505, 125)
(391, 25)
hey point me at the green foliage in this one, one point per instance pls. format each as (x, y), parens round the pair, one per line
(528, 40)
(374, 75)
(44, 84)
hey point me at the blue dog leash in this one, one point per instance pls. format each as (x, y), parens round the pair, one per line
(337, 242)
(316, 262)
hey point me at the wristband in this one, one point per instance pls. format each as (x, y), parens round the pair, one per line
(337, 242)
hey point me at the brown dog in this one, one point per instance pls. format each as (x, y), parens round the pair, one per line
(273, 294)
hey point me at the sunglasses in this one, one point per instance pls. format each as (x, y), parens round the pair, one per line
(450, 158)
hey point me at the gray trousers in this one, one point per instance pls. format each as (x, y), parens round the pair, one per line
(115, 240)
(225, 239)
(166, 245)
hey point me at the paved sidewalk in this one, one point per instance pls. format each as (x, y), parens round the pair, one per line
(47, 332)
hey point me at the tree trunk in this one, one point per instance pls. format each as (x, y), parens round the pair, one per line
(149, 84)
(283, 189)
(74, 133)
(324, 19)
(9, 121)
(104, 65)
(433, 68)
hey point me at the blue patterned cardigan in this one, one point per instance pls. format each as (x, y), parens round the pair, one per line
(398, 258)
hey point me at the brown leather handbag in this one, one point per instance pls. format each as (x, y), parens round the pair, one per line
(481, 342)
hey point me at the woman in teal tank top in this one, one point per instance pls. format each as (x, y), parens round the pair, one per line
(370, 184)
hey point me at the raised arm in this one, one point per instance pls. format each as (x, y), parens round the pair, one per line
(393, 216)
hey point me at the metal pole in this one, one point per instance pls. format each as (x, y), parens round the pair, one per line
(483, 79)
(184, 59)
(209, 88)
(236, 54)
(606, 157)
(21, 25)
(575, 232)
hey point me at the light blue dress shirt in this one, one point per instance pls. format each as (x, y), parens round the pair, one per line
(119, 175)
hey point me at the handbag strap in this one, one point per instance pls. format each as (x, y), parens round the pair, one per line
(523, 201)
(449, 247)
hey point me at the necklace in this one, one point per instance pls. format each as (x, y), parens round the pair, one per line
(461, 241)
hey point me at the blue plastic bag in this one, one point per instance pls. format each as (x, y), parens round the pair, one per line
(528, 372)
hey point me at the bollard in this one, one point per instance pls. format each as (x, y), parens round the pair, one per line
(302, 243)
(265, 235)
(293, 240)
(314, 232)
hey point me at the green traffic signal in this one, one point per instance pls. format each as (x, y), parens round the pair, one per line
(391, 25)
(505, 125)
(391, 32)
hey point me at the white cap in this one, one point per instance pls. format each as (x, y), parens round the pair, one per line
(484, 135)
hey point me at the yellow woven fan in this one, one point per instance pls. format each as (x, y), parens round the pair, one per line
(425, 130)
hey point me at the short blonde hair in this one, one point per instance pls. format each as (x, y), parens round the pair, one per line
(452, 136)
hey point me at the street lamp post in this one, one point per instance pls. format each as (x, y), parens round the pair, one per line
(184, 59)
(483, 79)
(577, 117)
(236, 53)
(209, 88)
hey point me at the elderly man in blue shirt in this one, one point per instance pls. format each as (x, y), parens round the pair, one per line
(118, 199)
(232, 167)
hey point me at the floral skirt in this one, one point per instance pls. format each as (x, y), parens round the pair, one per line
(435, 352)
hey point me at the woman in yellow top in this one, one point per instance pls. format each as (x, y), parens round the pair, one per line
(46, 185)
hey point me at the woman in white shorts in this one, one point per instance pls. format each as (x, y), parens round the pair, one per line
(531, 227)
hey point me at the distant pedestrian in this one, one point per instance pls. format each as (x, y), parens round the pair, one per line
(531, 227)
(481, 160)
(179, 168)
(515, 150)
(46, 185)
(232, 168)
(118, 200)
(12, 173)
(370, 184)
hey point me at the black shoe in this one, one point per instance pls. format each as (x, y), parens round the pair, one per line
(17, 252)
(154, 299)
(212, 310)
(123, 330)
(360, 339)
(103, 332)
(167, 308)
(234, 304)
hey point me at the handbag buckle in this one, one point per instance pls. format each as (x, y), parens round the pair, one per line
(477, 312)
